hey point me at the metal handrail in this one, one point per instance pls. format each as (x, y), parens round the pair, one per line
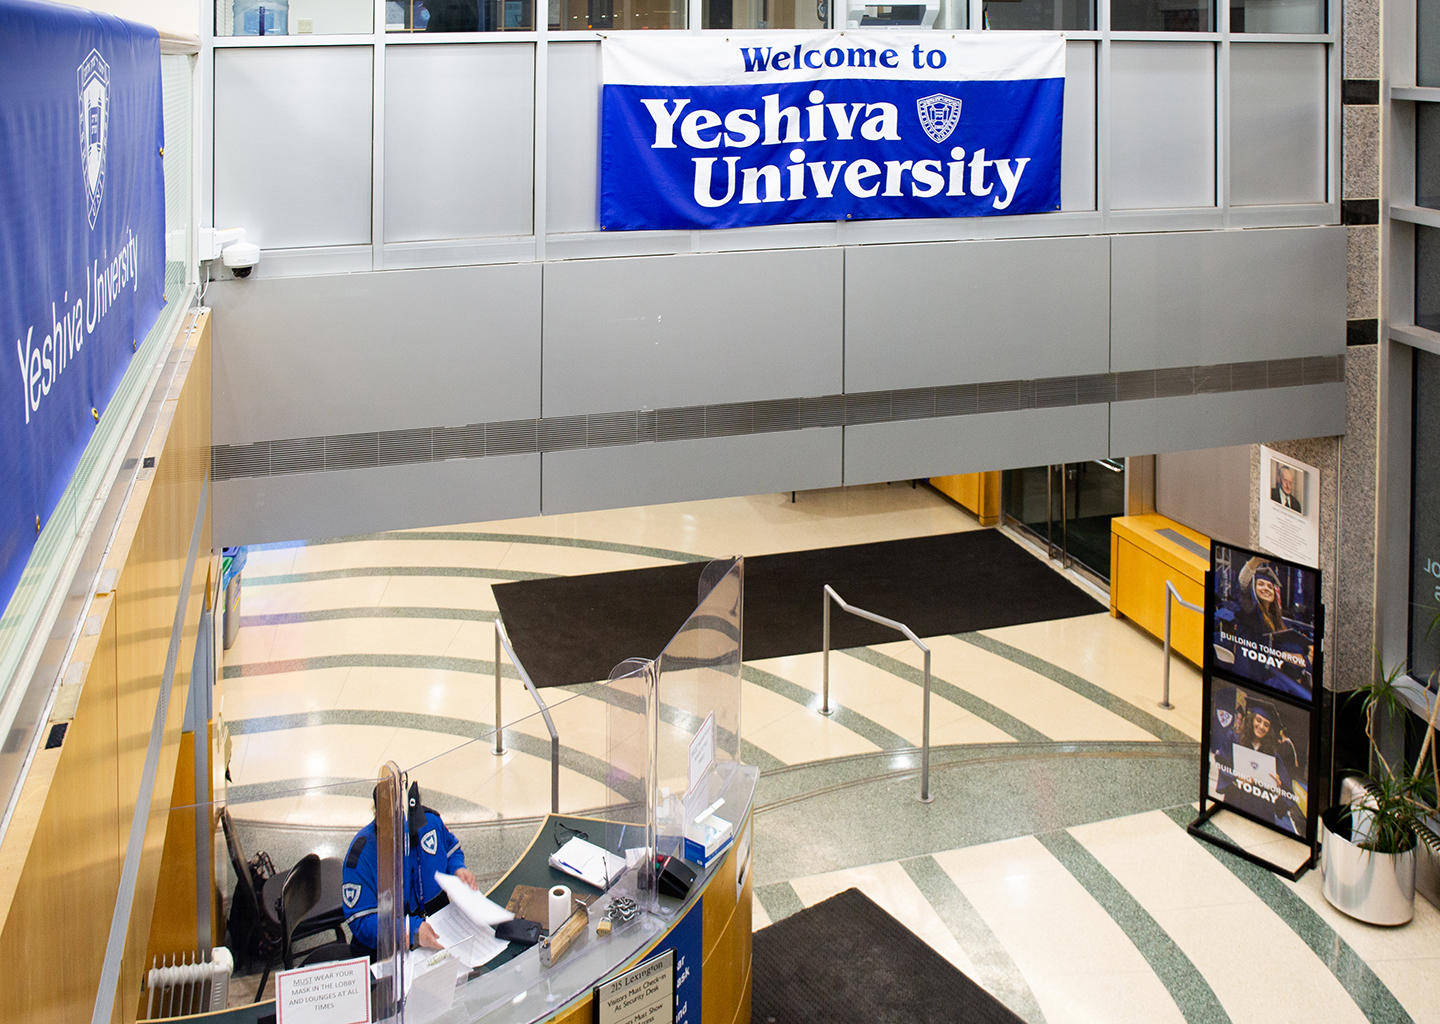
(502, 640)
(1172, 595)
(831, 595)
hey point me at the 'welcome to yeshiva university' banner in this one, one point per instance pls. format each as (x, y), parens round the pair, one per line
(767, 128)
(82, 243)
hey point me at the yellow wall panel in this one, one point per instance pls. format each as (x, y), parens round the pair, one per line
(977, 492)
(1141, 563)
(71, 869)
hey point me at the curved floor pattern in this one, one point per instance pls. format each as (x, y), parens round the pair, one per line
(1052, 867)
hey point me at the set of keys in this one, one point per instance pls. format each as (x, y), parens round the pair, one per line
(621, 910)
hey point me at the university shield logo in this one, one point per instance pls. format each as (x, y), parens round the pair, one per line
(93, 77)
(429, 842)
(350, 892)
(939, 114)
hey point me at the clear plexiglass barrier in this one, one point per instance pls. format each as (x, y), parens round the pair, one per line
(584, 786)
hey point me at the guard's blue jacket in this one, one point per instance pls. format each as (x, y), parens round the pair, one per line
(437, 849)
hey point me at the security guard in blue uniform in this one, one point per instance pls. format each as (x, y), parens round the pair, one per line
(429, 847)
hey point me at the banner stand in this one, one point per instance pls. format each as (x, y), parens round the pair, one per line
(1195, 829)
(1262, 677)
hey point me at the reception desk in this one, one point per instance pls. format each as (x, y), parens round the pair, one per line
(709, 931)
(1145, 552)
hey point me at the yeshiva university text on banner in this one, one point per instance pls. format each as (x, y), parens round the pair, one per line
(768, 128)
(82, 242)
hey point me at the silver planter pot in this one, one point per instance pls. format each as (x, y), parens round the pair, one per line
(1378, 888)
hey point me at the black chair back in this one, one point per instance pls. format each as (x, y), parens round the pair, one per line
(297, 898)
(239, 863)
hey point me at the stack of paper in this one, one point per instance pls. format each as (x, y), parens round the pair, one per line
(466, 926)
(587, 862)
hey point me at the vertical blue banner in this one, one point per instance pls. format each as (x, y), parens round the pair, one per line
(82, 242)
(780, 127)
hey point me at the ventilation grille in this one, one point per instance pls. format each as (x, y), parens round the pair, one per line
(736, 419)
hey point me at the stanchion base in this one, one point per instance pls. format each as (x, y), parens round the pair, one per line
(926, 799)
(827, 714)
(1165, 705)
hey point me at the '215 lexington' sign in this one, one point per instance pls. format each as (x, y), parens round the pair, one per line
(777, 127)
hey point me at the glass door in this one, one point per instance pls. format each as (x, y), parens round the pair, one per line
(1068, 508)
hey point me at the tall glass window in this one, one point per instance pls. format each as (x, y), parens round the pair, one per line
(1279, 16)
(1044, 15)
(1427, 44)
(295, 17)
(1162, 16)
(760, 14)
(1427, 277)
(1427, 155)
(1425, 520)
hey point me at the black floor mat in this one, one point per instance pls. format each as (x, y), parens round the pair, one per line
(847, 960)
(575, 629)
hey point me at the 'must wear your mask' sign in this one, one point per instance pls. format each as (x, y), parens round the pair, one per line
(776, 127)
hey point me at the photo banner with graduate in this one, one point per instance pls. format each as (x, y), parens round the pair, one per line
(82, 242)
(751, 128)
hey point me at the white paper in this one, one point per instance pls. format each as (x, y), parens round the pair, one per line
(474, 905)
(471, 944)
(324, 993)
(702, 753)
(1289, 520)
(586, 861)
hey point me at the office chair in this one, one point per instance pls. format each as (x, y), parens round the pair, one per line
(256, 930)
(251, 937)
(299, 893)
(328, 914)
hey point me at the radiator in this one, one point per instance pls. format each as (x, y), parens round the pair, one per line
(182, 984)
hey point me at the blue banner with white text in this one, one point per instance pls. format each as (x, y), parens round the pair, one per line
(783, 127)
(82, 242)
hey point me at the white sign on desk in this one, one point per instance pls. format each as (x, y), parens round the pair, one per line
(642, 995)
(702, 752)
(334, 993)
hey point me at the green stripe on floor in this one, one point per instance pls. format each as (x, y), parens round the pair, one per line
(797, 694)
(779, 900)
(1002, 720)
(501, 538)
(361, 572)
(1376, 1001)
(1095, 694)
(369, 612)
(994, 970)
(1192, 994)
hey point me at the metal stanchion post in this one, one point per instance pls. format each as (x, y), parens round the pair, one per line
(825, 653)
(499, 732)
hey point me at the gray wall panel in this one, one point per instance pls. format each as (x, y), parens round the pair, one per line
(1162, 125)
(572, 184)
(1240, 417)
(717, 467)
(968, 444)
(689, 330)
(1277, 123)
(1077, 149)
(1201, 297)
(297, 357)
(292, 144)
(312, 506)
(450, 167)
(1207, 490)
(963, 312)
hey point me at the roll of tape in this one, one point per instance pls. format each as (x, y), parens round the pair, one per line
(559, 906)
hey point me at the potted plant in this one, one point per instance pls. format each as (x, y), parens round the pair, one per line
(1368, 842)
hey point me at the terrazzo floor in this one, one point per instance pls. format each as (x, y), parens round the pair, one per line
(1053, 866)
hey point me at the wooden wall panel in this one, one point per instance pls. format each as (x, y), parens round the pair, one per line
(148, 594)
(55, 933)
